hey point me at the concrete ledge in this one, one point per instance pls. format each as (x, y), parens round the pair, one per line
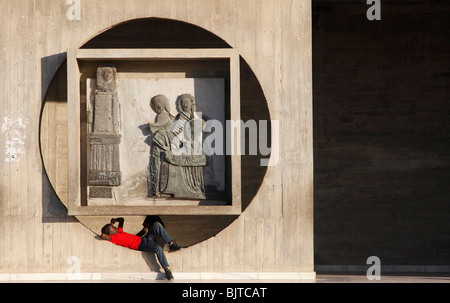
(179, 276)
(384, 268)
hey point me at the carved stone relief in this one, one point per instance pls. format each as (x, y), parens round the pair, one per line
(104, 136)
(151, 149)
(176, 161)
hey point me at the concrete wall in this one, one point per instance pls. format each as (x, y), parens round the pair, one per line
(381, 133)
(274, 234)
(381, 130)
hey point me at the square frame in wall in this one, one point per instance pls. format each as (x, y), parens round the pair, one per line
(176, 207)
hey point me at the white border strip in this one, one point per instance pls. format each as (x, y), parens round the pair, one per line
(179, 276)
(384, 268)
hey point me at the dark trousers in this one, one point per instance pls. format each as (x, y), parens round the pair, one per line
(149, 244)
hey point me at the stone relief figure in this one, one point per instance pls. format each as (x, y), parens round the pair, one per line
(106, 81)
(160, 129)
(104, 135)
(106, 115)
(186, 110)
(177, 160)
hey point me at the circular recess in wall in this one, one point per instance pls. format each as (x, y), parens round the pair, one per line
(148, 33)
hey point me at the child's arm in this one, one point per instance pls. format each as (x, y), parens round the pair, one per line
(141, 233)
(120, 220)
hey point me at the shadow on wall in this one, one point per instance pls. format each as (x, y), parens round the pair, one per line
(52, 208)
(53, 89)
(152, 263)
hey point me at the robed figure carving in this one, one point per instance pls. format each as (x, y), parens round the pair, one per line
(177, 159)
(104, 135)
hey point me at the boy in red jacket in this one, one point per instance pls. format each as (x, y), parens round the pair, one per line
(143, 241)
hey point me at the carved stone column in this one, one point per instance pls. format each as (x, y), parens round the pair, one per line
(104, 136)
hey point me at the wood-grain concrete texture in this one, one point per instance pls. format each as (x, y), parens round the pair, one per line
(273, 234)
